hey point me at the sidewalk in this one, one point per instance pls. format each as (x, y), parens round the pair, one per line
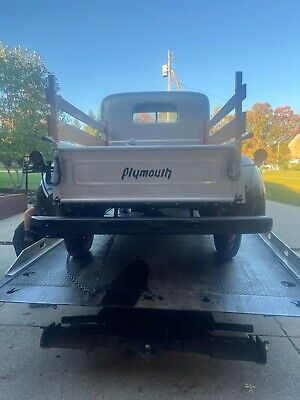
(286, 223)
(8, 226)
(7, 252)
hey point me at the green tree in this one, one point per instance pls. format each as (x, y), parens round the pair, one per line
(23, 109)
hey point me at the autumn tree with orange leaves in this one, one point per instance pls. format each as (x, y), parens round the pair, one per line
(272, 130)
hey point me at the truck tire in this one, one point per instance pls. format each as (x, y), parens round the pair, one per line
(227, 246)
(78, 246)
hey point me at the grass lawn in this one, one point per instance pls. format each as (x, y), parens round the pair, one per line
(5, 182)
(283, 186)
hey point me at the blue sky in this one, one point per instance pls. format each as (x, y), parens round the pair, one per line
(96, 48)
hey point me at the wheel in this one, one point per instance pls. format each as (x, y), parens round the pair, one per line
(227, 246)
(79, 246)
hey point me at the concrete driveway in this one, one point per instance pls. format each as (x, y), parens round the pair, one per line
(286, 225)
(28, 372)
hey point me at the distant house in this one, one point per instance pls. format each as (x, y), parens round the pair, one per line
(294, 147)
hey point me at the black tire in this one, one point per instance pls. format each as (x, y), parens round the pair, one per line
(227, 246)
(78, 246)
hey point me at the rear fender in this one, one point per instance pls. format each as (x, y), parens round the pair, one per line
(255, 193)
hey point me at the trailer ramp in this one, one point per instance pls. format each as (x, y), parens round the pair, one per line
(160, 272)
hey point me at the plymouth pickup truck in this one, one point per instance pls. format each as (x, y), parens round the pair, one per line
(160, 164)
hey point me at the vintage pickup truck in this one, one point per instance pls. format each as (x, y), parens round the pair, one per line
(161, 164)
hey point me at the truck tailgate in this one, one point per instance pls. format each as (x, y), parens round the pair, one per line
(151, 174)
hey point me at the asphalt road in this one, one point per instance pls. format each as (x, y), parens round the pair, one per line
(28, 372)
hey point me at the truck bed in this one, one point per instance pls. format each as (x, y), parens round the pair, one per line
(160, 272)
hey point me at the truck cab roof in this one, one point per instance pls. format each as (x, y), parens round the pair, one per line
(155, 116)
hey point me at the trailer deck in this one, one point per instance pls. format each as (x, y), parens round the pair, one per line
(157, 293)
(160, 272)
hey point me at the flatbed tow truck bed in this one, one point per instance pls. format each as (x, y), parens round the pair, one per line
(159, 292)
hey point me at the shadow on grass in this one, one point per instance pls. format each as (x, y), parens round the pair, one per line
(282, 194)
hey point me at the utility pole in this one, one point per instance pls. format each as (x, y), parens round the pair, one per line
(169, 71)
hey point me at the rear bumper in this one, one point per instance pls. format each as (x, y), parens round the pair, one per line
(65, 226)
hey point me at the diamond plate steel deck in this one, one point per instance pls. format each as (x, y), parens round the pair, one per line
(163, 272)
